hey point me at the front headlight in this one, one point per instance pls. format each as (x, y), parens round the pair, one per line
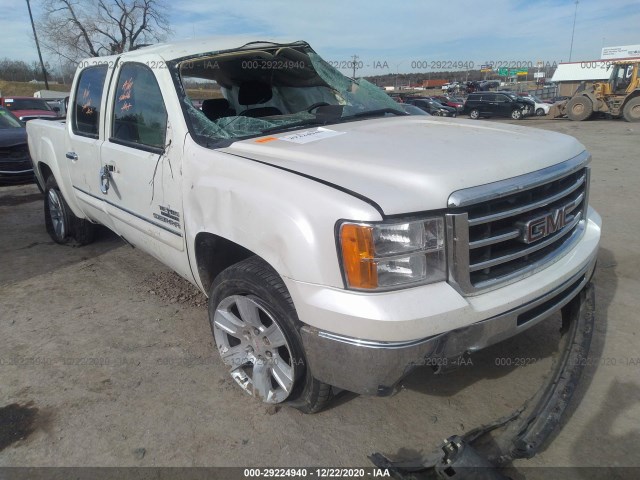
(384, 256)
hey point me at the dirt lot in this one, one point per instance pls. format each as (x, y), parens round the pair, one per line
(111, 355)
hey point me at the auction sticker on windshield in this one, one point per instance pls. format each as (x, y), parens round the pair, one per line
(308, 136)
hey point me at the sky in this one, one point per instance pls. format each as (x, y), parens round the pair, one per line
(391, 37)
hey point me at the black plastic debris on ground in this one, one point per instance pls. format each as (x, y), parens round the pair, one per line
(485, 451)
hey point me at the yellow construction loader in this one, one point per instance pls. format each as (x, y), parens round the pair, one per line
(619, 96)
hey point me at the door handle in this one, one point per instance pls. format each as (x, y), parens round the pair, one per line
(72, 155)
(105, 175)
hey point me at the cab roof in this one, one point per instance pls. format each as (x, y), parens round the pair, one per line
(207, 45)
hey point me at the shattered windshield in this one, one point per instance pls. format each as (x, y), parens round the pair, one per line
(275, 88)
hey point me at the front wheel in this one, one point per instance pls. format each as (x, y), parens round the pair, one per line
(474, 114)
(257, 334)
(579, 108)
(540, 112)
(516, 114)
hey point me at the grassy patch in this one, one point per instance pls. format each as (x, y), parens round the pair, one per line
(25, 89)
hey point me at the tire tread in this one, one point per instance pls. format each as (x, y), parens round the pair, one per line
(311, 395)
(79, 229)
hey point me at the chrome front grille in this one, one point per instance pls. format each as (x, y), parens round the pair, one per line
(502, 232)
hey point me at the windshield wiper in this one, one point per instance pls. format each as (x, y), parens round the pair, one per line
(374, 113)
(303, 123)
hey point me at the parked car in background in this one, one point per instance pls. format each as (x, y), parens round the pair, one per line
(28, 108)
(499, 104)
(15, 162)
(481, 85)
(58, 105)
(433, 107)
(413, 110)
(452, 102)
(450, 87)
(541, 108)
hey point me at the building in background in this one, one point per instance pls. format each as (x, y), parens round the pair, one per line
(568, 76)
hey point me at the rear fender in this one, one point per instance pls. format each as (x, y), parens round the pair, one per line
(45, 154)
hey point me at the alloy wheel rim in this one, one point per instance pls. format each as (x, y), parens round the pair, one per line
(56, 214)
(254, 347)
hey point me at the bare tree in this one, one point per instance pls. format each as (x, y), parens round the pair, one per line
(74, 29)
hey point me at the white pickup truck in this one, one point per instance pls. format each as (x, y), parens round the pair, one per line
(341, 242)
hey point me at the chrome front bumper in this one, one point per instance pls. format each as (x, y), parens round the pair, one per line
(375, 368)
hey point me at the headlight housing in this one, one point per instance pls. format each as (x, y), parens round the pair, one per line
(391, 255)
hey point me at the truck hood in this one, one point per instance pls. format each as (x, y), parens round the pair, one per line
(411, 164)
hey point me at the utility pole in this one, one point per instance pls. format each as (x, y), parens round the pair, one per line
(354, 63)
(573, 31)
(44, 70)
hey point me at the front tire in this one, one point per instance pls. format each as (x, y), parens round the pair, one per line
(516, 114)
(540, 112)
(474, 114)
(257, 333)
(631, 111)
(579, 108)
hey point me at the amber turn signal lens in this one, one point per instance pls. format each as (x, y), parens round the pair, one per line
(357, 256)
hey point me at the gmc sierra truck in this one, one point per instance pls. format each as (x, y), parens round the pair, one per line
(341, 242)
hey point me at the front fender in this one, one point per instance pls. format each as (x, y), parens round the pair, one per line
(287, 219)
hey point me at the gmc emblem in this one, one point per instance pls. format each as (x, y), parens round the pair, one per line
(542, 226)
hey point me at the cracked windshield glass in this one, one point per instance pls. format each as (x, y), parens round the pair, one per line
(273, 88)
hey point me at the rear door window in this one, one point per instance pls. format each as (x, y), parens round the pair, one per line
(85, 117)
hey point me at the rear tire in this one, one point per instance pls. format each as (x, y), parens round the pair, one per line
(257, 333)
(61, 223)
(579, 108)
(56, 213)
(540, 112)
(631, 111)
